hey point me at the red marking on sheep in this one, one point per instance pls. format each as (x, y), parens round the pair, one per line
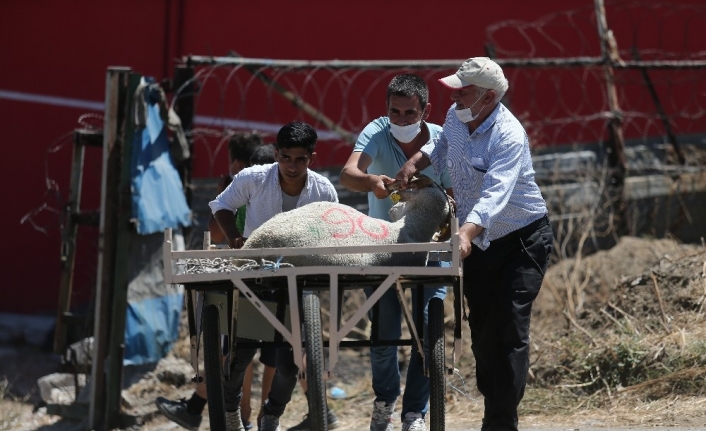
(338, 216)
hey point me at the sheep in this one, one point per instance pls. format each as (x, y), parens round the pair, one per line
(418, 214)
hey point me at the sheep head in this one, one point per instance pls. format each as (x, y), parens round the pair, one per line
(423, 191)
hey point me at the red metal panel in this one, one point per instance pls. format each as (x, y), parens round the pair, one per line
(63, 49)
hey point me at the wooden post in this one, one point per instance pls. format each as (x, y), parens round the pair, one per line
(609, 51)
(124, 232)
(615, 142)
(68, 244)
(115, 87)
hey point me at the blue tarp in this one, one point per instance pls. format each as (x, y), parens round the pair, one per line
(158, 203)
(151, 328)
(158, 200)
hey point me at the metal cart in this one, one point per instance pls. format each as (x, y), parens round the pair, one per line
(215, 300)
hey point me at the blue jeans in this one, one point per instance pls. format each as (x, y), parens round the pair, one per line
(384, 361)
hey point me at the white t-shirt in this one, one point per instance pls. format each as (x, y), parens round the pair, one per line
(258, 188)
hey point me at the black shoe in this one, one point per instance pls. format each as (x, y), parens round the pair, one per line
(305, 425)
(176, 412)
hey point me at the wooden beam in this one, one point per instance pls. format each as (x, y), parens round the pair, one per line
(116, 80)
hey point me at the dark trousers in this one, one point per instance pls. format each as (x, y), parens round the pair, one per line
(500, 285)
(283, 384)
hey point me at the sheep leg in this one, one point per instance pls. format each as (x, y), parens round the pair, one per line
(410, 324)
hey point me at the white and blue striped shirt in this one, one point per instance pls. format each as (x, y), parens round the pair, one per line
(491, 172)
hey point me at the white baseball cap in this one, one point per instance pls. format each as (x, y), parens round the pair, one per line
(479, 71)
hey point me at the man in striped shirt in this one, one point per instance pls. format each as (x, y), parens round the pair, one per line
(505, 236)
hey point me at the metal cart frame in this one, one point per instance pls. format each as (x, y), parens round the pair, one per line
(314, 278)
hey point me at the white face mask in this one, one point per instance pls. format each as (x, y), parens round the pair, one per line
(405, 134)
(465, 115)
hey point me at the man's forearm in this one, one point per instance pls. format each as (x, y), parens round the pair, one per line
(420, 161)
(471, 230)
(355, 180)
(411, 167)
(214, 228)
(226, 221)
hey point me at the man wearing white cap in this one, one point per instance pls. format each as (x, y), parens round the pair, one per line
(505, 236)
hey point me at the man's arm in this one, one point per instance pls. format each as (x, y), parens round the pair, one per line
(355, 178)
(226, 221)
(466, 233)
(213, 228)
(415, 164)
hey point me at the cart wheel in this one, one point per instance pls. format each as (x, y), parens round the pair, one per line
(314, 362)
(212, 364)
(437, 380)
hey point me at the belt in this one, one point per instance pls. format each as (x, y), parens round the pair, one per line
(525, 231)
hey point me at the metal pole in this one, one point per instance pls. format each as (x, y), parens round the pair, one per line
(538, 62)
(660, 111)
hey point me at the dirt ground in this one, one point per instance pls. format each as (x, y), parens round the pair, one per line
(617, 341)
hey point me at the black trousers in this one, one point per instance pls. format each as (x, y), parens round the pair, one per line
(500, 285)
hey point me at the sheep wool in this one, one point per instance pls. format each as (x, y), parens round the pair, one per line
(322, 224)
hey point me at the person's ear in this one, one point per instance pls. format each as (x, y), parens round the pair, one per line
(489, 97)
(311, 158)
(427, 111)
(276, 155)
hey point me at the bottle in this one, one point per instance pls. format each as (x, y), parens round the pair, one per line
(337, 393)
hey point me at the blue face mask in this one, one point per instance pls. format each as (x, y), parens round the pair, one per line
(465, 115)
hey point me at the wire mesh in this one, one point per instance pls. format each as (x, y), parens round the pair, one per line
(560, 101)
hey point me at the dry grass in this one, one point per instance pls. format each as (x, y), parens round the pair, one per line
(10, 415)
(619, 358)
(631, 351)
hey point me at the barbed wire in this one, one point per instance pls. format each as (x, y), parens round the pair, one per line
(559, 103)
(53, 201)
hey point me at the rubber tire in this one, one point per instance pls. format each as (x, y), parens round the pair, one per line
(437, 368)
(214, 369)
(314, 347)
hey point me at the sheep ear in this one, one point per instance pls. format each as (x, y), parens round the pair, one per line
(443, 234)
(421, 181)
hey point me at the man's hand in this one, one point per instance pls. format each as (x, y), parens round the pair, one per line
(236, 242)
(465, 246)
(405, 173)
(379, 187)
(465, 235)
(414, 164)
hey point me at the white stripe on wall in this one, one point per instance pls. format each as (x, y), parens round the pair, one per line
(51, 100)
(203, 120)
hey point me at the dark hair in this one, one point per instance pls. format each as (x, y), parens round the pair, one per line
(264, 154)
(242, 145)
(297, 134)
(409, 85)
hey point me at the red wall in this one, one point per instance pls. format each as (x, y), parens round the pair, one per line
(63, 49)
